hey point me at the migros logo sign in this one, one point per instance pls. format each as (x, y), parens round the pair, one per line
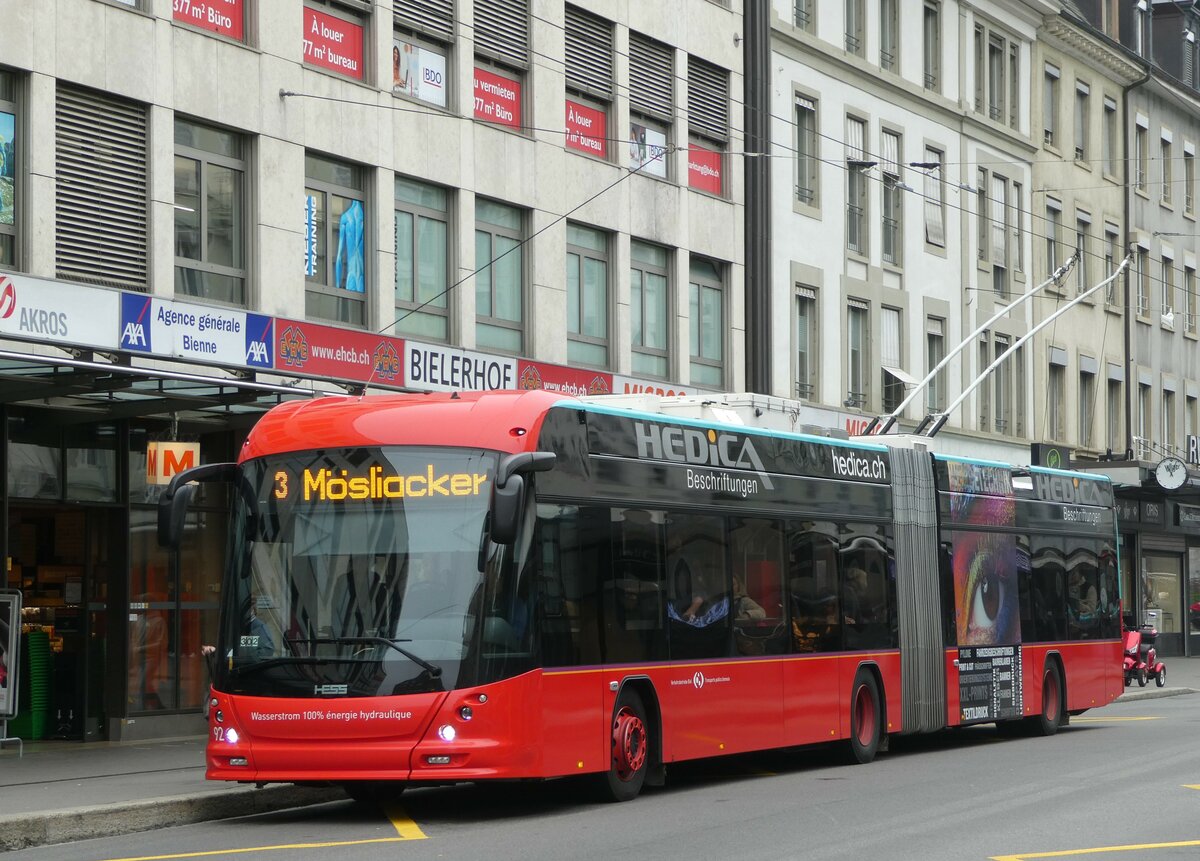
(326, 485)
(696, 447)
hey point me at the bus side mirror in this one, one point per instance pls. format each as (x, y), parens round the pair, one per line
(172, 512)
(174, 502)
(508, 491)
(507, 503)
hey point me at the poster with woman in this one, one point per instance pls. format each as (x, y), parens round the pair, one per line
(10, 628)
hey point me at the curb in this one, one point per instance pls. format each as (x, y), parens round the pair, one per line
(1131, 695)
(110, 820)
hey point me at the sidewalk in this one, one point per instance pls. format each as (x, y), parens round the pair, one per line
(64, 791)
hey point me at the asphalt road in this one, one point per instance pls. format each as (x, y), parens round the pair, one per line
(1127, 775)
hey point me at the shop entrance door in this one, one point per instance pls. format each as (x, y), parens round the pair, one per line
(61, 558)
(1162, 594)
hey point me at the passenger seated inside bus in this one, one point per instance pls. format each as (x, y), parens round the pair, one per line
(816, 626)
(696, 604)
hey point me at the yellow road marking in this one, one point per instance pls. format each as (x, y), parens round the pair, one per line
(1191, 786)
(241, 851)
(1063, 853)
(1110, 719)
(405, 827)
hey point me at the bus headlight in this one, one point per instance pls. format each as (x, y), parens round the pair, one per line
(446, 732)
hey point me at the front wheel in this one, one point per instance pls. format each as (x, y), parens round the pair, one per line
(1141, 677)
(630, 757)
(1160, 678)
(1050, 719)
(866, 718)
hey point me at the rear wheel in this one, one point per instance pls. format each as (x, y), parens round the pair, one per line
(866, 718)
(1051, 717)
(1160, 678)
(630, 757)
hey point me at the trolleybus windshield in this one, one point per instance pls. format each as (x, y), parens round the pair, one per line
(358, 572)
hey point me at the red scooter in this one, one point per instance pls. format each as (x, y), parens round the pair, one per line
(1141, 658)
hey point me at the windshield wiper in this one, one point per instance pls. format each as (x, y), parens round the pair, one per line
(433, 669)
(288, 660)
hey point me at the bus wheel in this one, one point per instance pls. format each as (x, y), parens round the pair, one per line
(866, 718)
(630, 750)
(1050, 719)
(372, 791)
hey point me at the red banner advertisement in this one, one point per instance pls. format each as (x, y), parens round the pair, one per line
(333, 43)
(704, 169)
(340, 354)
(497, 98)
(568, 381)
(226, 17)
(587, 129)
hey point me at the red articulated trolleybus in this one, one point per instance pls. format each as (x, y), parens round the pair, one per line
(427, 589)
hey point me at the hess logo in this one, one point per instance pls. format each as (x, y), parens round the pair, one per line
(8, 298)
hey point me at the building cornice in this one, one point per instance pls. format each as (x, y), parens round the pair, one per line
(1074, 39)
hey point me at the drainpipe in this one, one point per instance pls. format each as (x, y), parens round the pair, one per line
(756, 65)
(1129, 316)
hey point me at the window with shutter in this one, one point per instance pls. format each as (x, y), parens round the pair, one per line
(101, 189)
(708, 101)
(651, 71)
(589, 54)
(432, 18)
(502, 31)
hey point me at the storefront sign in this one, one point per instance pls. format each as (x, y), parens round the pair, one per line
(704, 169)
(1187, 515)
(568, 381)
(310, 236)
(200, 333)
(333, 43)
(340, 354)
(1193, 449)
(448, 369)
(647, 150)
(497, 99)
(1154, 512)
(587, 129)
(1128, 511)
(630, 386)
(52, 312)
(419, 73)
(220, 16)
(164, 460)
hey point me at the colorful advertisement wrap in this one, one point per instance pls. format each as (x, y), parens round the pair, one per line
(989, 683)
(438, 368)
(53, 312)
(8, 167)
(339, 354)
(986, 605)
(568, 381)
(497, 98)
(704, 169)
(419, 73)
(333, 43)
(647, 150)
(587, 129)
(220, 16)
(10, 630)
(201, 333)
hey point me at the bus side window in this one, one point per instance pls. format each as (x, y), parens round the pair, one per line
(572, 550)
(816, 620)
(633, 600)
(757, 595)
(698, 606)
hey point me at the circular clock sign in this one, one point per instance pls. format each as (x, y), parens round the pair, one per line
(1170, 473)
